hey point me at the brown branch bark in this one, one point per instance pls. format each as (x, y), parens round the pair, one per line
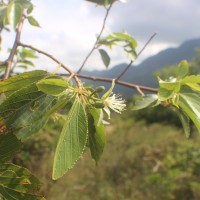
(47, 55)
(10, 58)
(71, 73)
(138, 88)
(98, 37)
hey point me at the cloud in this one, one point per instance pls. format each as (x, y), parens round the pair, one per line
(69, 28)
(174, 21)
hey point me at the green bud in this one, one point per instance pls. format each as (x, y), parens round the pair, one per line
(100, 89)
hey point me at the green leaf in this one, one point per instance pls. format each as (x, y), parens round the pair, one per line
(18, 102)
(27, 53)
(33, 21)
(3, 10)
(114, 38)
(183, 69)
(17, 82)
(173, 86)
(30, 8)
(72, 140)
(61, 102)
(97, 134)
(145, 101)
(194, 86)
(52, 87)
(33, 119)
(189, 102)
(14, 13)
(102, 2)
(9, 145)
(191, 79)
(164, 94)
(18, 183)
(185, 121)
(105, 57)
(121, 37)
(131, 54)
(26, 62)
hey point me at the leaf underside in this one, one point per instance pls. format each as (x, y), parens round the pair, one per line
(72, 140)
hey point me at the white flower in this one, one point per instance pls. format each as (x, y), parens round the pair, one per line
(111, 101)
(115, 103)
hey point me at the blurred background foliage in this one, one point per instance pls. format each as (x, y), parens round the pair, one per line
(141, 161)
(146, 157)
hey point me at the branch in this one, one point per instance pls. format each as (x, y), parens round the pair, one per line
(71, 73)
(139, 88)
(47, 55)
(98, 37)
(9, 60)
(132, 61)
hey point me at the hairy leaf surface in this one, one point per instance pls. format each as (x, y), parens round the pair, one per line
(17, 82)
(72, 140)
(97, 134)
(33, 118)
(52, 86)
(18, 102)
(18, 183)
(9, 144)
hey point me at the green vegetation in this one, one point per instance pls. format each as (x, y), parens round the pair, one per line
(140, 161)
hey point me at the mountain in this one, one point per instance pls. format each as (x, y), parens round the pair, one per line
(143, 74)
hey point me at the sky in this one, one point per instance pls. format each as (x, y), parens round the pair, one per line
(69, 28)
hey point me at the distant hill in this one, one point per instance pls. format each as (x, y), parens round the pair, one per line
(142, 74)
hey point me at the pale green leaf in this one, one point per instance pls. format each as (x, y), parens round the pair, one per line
(105, 57)
(52, 87)
(9, 144)
(189, 102)
(27, 53)
(102, 2)
(72, 140)
(18, 183)
(33, 21)
(119, 37)
(22, 80)
(194, 86)
(191, 79)
(183, 69)
(30, 8)
(3, 10)
(145, 101)
(185, 121)
(131, 54)
(173, 86)
(97, 134)
(14, 13)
